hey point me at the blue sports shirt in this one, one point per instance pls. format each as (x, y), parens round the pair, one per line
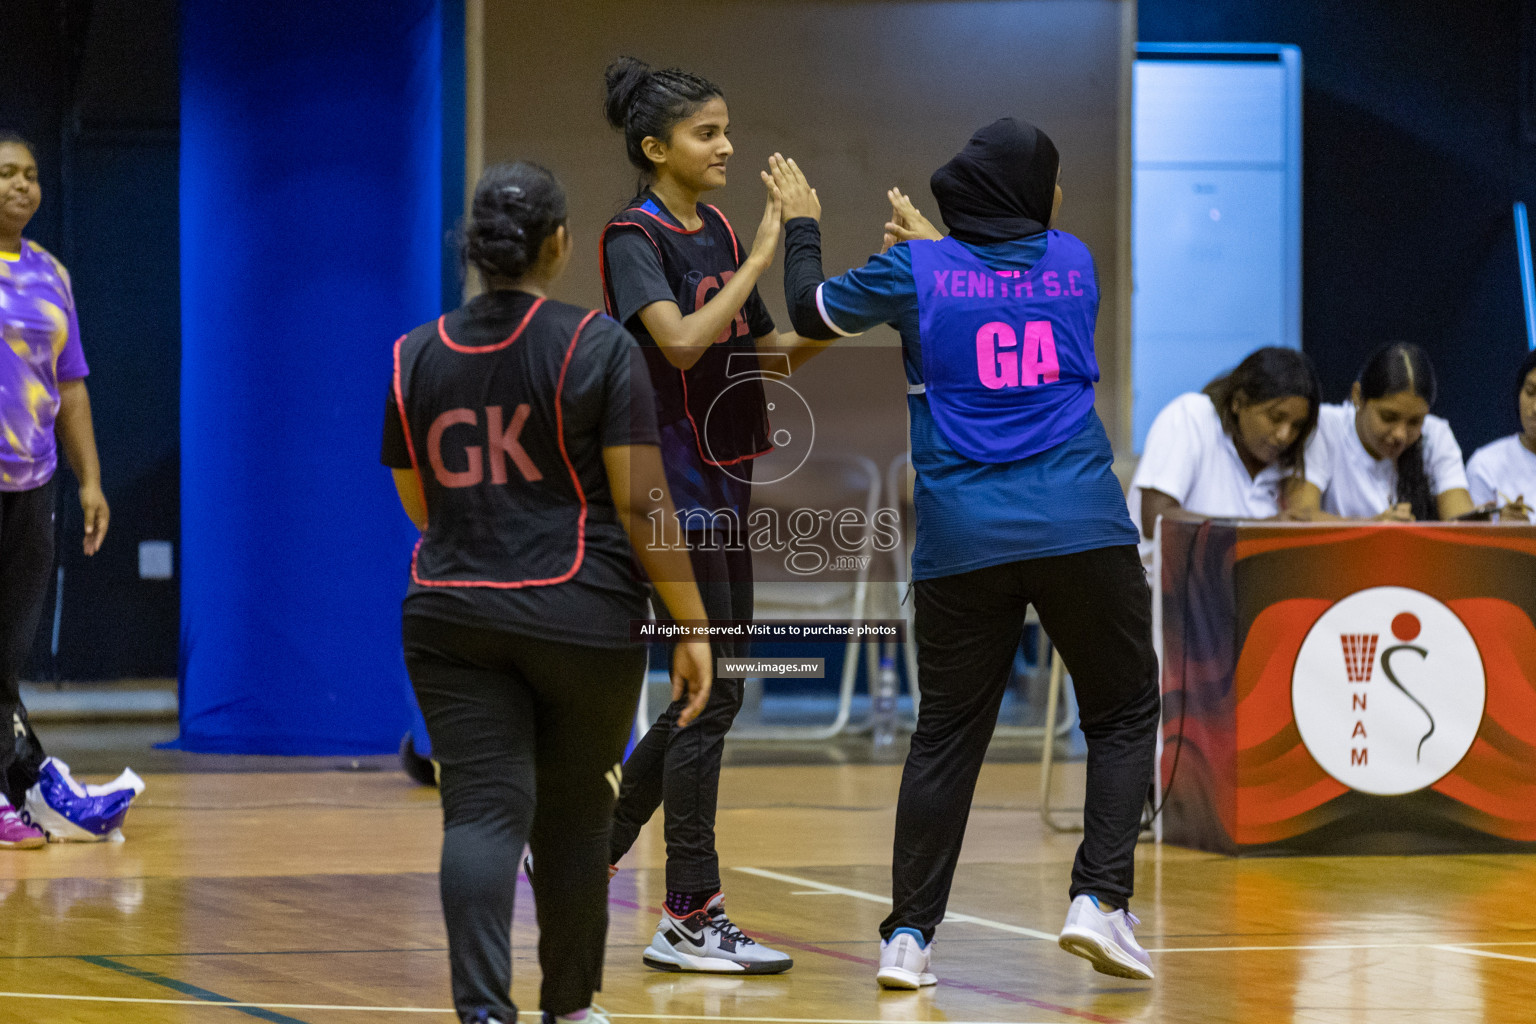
(971, 515)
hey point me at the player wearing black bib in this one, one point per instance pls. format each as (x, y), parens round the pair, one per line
(675, 275)
(524, 448)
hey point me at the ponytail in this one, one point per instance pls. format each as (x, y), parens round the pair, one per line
(1396, 367)
(1413, 483)
(642, 102)
(516, 207)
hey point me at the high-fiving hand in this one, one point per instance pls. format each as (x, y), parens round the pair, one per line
(796, 197)
(906, 223)
(768, 231)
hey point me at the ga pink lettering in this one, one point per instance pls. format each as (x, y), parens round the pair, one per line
(1052, 282)
(997, 368)
(1002, 362)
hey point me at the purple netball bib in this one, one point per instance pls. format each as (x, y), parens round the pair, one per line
(1007, 355)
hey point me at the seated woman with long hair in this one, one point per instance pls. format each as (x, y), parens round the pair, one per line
(1381, 455)
(1228, 450)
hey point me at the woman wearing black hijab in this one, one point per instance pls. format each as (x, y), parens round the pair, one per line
(1016, 505)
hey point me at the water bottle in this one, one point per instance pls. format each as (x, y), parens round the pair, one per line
(882, 715)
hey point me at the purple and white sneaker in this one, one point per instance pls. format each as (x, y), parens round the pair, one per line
(16, 834)
(71, 813)
(1106, 939)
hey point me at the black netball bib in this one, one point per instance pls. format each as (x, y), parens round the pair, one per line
(722, 393)
(483, 422)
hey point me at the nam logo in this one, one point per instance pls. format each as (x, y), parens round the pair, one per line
(1388, 691)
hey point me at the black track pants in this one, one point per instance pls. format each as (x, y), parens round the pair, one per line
(679, 769)
(1096, 607)
(26, 561)
(529, 734)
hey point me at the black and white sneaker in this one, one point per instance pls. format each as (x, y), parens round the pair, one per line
(706, 942)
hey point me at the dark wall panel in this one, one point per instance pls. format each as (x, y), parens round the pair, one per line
(863, 95)
(93, 87)
(1412, 157)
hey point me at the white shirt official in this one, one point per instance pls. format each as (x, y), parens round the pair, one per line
(1502, 471)
(1356, 484)
(1190, 458)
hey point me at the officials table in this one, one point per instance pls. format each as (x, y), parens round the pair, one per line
(1348, 688)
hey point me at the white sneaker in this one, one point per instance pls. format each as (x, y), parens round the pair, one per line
(591, 1015)
(904, 961)
(707, 942)
(1105, 939)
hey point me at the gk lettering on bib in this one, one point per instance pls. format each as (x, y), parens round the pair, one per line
(1008, 358)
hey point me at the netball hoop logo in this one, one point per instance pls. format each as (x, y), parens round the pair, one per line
(1388, 691)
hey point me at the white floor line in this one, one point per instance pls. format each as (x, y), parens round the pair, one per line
(211, 1005)
(870, 897)
(1487, 953)
(780, 1020)
(1332, 945)
(216, 1005)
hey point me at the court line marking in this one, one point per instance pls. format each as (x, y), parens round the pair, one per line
(449, 1012)
(1330, 945)
(1011, 997)
(208, 1004)
(202, 995)
(777, 1020)
(823, 888)
(870, 897)
(1487, 953)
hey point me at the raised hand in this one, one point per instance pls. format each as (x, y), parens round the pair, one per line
(785, 180)
(768, 230)
(907, 224)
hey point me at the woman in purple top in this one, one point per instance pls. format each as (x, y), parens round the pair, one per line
(42, 394)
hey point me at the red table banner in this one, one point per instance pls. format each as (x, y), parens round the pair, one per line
(1363, 688)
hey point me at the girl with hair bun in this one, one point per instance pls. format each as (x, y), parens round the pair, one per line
(1503, 473)
(674, 273)
(1227, 450)
(524, 449)
(1381, 455)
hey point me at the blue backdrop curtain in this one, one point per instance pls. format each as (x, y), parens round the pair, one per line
(312, 226)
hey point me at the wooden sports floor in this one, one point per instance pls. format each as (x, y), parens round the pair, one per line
(312, 897)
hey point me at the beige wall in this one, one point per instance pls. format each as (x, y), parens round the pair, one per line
(862, 94)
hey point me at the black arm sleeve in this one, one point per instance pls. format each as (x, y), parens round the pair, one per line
(394, 452)
(802, 276)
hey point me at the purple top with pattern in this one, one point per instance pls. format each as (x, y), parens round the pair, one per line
(42, 348)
